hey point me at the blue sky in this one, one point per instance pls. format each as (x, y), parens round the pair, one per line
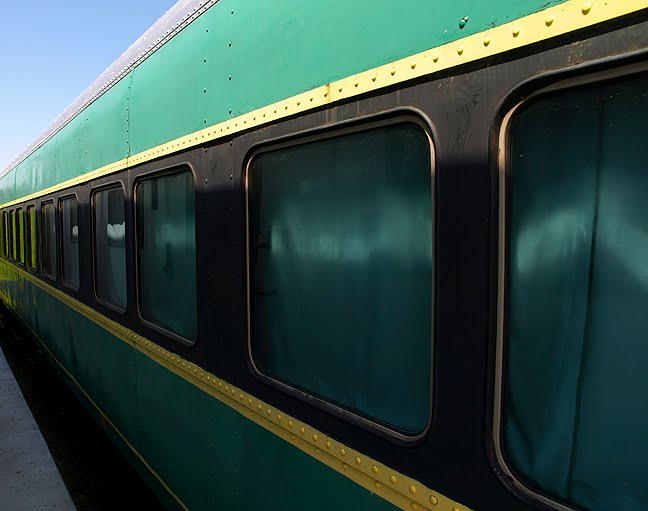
(51, 51)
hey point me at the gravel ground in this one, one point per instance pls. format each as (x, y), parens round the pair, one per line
(96, 475)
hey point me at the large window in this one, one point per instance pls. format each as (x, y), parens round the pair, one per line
(575, 417)
(341, 268)
(166, 252)
(70, 241)
(110, 246)
(21, 235)
(49, 239)
(33, 237)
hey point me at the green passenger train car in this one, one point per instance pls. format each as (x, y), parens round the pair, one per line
(354, 255)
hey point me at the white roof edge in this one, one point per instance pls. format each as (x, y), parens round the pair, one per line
(164, 29)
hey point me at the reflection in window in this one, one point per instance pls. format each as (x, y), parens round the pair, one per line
(33, 238)
(21, 236)
(49, 239)
(341, 234)
(110, 246)
(166, 253)
(70, 241)
(575, 414)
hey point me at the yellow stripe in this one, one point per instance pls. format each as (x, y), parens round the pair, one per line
(541, 26)
(399, 489)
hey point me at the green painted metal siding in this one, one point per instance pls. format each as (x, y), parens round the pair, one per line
(278, 49)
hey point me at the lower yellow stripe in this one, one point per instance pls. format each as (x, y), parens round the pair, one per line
(397, 488)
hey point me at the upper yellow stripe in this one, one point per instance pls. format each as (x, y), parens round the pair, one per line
(547, 24)
(397, 488)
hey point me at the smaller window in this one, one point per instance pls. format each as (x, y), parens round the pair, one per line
(110, 246)
(5, 234)
(14, 245)
(21, 236)
(33, 237)
(70, 241)
(49, 239)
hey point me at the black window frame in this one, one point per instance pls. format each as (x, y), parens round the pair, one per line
(28, 235)
(316, 134)
(174, 169)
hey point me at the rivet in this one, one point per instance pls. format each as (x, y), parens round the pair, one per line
(249, 401)
(345, 466)
(374, 77)
(290, 424)
(414, 505)
(318, 451)
(412, 489)
(374, 469)
(302, 430)
(343, 452)
(487, 41)
(315, 437)
(259, 407)
(220, 385)
(460, 50)
(269, 411)
(516, 31)
(328, 444)
(279, 418)
(226, 387)
(241, 397)
(455, 509)
(413, 65)
(233, 392)
(549, 20)
(392, 478)
(392, 71)
(377, 484)
(433, 500)
(435, 57)
(356, 83)
(292, 437)
(587, 7)
(358, 460)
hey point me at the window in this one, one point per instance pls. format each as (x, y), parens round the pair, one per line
(14, 244)
(574, 410)
(5, 234)
(49, 239)
(33, 238)
(110, 246)
(70, 241)
(21, 236)
(166, 252)
(341, 269)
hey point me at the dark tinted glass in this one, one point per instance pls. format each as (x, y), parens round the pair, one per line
(341, 250)
(21, 235)
(110, 246)
(49, 239)
(167, 252)
(575, 414)
(33, 237)
(70, 241)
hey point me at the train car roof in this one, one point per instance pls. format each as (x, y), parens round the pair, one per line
(164, 29)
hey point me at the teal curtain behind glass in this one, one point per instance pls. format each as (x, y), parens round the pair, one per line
(70, 241)
(576, 405)
(167, 252)
(342, 240)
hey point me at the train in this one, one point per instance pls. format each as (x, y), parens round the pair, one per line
(353, 255)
